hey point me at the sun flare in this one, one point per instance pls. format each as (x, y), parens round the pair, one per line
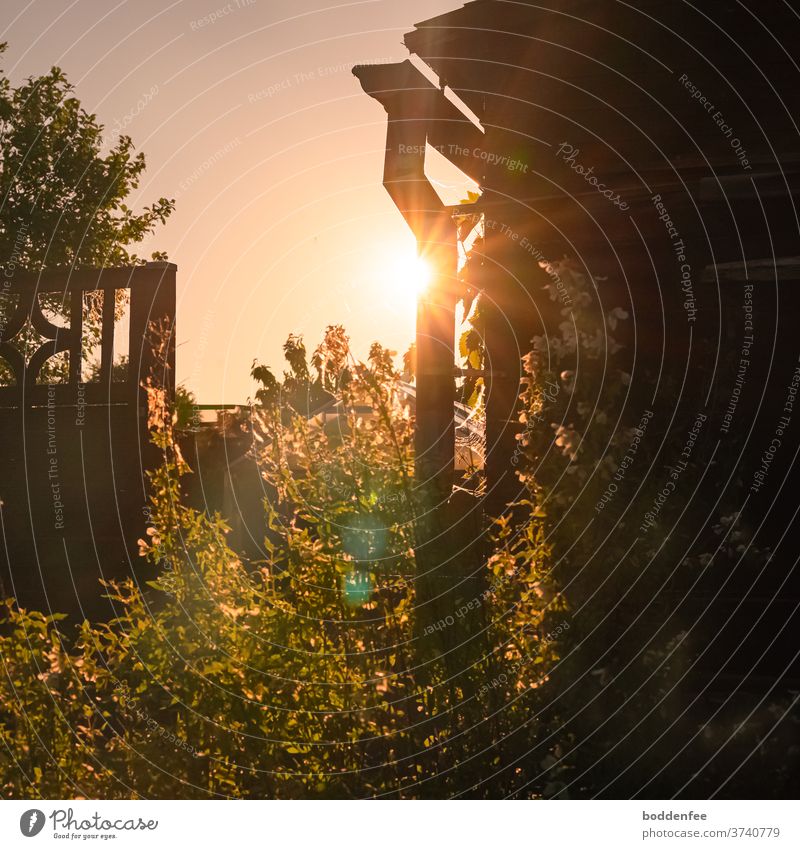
(411, 273)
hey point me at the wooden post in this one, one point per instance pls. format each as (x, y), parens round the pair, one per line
(435, 433)
(419, 114)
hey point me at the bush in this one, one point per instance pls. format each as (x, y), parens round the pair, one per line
(307, 674)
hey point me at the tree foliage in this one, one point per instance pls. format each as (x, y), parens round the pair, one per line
(62, 199)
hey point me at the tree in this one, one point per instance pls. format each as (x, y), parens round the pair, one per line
(62, 200)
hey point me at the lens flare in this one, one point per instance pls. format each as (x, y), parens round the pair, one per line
(411, 273)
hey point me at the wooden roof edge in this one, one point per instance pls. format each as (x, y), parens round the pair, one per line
(768, 270)
(632, 193)
(389, 77)
(391, 82)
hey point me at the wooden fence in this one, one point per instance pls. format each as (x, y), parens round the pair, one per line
(74, 451)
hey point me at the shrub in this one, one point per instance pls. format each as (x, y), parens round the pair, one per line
(305, 675)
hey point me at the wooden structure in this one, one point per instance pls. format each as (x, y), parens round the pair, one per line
(657, 145)
(608, 133)
(74, 453)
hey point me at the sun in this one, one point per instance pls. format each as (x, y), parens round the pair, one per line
(396, 277)
(411, 273)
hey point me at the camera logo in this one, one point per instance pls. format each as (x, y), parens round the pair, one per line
(31, 822)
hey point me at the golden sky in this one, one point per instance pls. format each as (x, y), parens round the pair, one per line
(250, 118)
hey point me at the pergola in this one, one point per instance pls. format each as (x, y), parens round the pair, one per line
(598, 124)
(657, 146)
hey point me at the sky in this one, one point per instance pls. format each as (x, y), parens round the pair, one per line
(250, 117)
